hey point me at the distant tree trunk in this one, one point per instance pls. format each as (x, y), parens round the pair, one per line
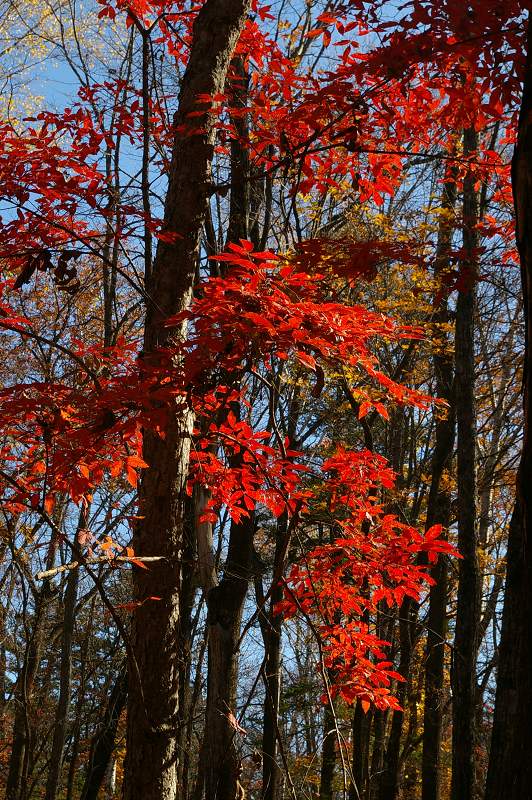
(328, 755)
(154, 675)
(468, 601)
(76, 733)
(189, 750)
(65, 673)
(390, 782)
(103, 743)
(271, 774)
(3, 650)
(225, 603)
(438, 512)
(510, 761)
(377, 756)
(186, 633)
(24, 689)
(238, 227)
(221, 764)
(271, 627)
(360, 764)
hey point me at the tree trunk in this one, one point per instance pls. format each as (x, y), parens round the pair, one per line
(22, 724)
(191, 557)
(377, 755)
(510, 762)
(328, 755)
(271, 773)
(225, 604)
(438, 512)
(221, 769)
(238, 227)
(390, 782)
(468, 601)
(154, 670)
(104, 740)
(65, 673)
(271, 627)
(360, 764)
(78, 714)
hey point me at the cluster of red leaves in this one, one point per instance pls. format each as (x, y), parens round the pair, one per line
(427, 79)
(45, 175)
(68, 437)
(259, 313)
(374, 560)
(264, 307)
(65, 437)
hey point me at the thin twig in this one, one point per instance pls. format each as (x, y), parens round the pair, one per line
(49, 573)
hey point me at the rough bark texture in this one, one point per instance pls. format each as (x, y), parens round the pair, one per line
(510, 763)
(65, 680)
(468, 600)
(238, 227)
(222, 767)
(438, 512)
(192, 560)
(152, 753)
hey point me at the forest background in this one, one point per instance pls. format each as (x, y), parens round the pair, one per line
(264, 314)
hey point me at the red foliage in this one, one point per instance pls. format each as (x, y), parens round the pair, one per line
(357, 123)
(374, 559)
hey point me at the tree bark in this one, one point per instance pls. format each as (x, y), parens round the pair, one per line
(154, 670)
(238, 227)
(390, 782)
(360, 764)
(438, 512)
(22, 724)
(510, 762)
(226, 600)
(328, 755)
(226, 603)
(65, 673)
(377, 756)
(271, 774)
(468, 601)
(104, 740)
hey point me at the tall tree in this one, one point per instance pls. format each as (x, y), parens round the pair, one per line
(439, 512)
(151, 766)
(510, 766)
